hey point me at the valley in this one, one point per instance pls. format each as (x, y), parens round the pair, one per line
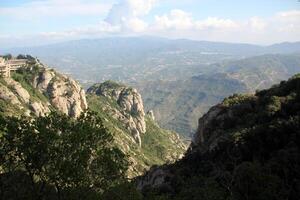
(196, 123)
(178, 79)
(149, 100)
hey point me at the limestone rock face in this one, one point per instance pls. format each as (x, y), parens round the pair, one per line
(39, 109)
(210, 125)
(205, 139)
(42, 81)
(54, 90)
(129, 101)
(64, 93)
(13, 92)
(204, 123)
(150, 113)
(18, 89)
(7, 95)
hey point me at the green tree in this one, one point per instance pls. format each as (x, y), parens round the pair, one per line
(59, 156)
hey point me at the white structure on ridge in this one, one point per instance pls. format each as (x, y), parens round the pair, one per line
(6, 66)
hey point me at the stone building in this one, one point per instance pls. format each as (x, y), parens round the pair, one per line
(6, 66)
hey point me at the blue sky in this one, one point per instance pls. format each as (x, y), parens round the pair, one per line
(26, 22)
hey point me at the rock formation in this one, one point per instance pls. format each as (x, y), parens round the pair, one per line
(64, 93)
(240, 140)
(36, 89)
(129, 100)
(150, 113)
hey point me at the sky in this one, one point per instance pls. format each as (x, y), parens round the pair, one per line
(37, 22)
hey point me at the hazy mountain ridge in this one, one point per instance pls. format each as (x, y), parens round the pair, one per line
(178, 103)
(162, 69)
(139, 58)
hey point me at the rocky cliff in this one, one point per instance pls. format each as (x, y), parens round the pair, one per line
(131, 112)
(35, 90)
(136, 133)
(246, 147)
(64, 93)
(221, 117)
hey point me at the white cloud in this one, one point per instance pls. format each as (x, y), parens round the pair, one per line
(291, 16)
(180, 20)
(257, 24)
(288, 21)
(141, 7)
(216, 23)
(127, 17)
(283, 26)
(135, 24)
(176, 19)
(127, 13)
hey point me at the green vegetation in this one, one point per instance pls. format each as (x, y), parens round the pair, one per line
(9, 109)
(25, 78)
(108, 85)
(236, 99)
(158, 145)
(255, 154)
(7, 56)
(179, 104)
(56, 157)
(111, 84)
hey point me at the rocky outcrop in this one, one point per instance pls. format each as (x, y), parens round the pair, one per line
(14, 93)
(219, 118)
(205, 123)
(18, 90)
(37, 88)
(131, 112)
(156, 177)
(209, 134)
(64, 93)
(7, 95)
(238, 141)
(150, 113)
(39, 109)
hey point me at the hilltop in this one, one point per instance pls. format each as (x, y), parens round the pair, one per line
(137, 133)
(35, 90)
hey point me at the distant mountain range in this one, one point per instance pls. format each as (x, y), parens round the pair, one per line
(177, 104)
(179, 79)
(138, 58)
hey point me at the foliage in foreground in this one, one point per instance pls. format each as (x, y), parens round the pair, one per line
(56, 157)
(257, 156)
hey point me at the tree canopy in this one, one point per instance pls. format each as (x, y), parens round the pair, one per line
(57, 157)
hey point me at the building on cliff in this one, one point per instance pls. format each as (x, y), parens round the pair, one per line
(6, 66)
